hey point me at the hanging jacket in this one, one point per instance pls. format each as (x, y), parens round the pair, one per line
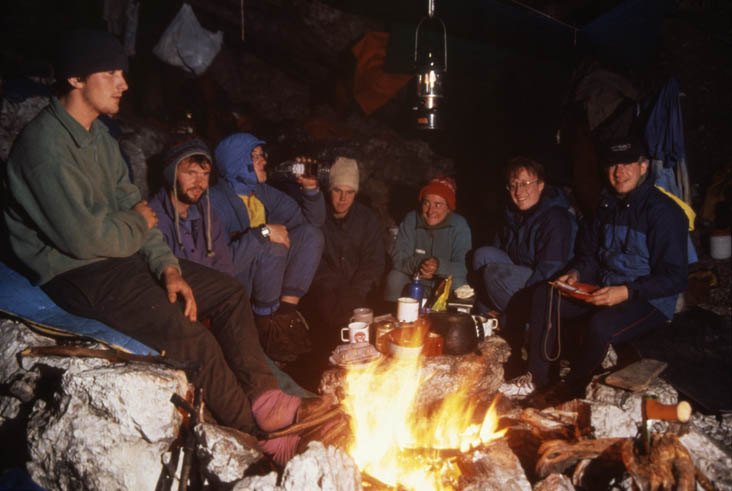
(234, 163)
(639, 241)
(542, 237)
(448, 241)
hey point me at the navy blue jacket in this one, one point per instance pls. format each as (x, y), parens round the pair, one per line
(639, 241)
(542, 237)
(354, 252)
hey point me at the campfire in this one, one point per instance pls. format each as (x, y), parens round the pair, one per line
(398, 443)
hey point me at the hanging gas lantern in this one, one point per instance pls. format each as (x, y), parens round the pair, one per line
(431, 66)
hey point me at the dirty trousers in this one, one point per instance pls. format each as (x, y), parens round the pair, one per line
(125, 295)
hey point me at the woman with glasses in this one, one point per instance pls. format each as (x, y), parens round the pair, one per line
(534, 243)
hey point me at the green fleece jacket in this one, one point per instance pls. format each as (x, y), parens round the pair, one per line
(449, 241)
(71, 199)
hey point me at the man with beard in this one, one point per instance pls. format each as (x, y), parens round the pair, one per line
(81, 229)
(189, 226)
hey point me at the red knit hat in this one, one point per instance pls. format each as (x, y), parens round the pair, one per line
(441, 186)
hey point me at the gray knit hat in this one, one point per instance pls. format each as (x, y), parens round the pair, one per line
(344, 172)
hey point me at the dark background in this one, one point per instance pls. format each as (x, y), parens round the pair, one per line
(510, 71)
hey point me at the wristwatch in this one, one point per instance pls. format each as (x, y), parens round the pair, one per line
(264, 231)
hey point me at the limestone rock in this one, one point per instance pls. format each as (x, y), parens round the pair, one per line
(321, 468)
(554, 482)
(258, 483)
(610, 421)
(106, 428)
(617, 412)
(14, 115)
(713, 460)
(494, 467)
(224, 453)
(139, 142)
(445, 374)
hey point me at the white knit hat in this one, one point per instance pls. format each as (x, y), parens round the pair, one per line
(344, 172)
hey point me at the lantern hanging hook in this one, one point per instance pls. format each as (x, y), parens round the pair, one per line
(431, 15)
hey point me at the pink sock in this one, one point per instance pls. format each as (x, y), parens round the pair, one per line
(281, 449)
(274, 410)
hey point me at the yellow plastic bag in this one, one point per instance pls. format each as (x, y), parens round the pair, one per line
(442, 294)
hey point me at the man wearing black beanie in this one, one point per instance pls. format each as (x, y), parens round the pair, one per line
(79, 224)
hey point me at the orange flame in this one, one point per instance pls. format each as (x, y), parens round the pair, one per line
(399, 443)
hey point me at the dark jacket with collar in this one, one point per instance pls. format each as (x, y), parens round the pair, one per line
(354, 253)
(639, 241)
(542, 237)
(71, 199)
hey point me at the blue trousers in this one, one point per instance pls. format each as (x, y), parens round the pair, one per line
(500, 278)
(270, 270)
(603, 326)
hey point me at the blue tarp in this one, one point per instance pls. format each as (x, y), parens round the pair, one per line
(18, 297)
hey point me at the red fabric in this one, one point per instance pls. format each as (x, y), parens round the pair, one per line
(372, 87)
(441, 186)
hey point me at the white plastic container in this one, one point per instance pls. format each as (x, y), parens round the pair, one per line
(720, 244)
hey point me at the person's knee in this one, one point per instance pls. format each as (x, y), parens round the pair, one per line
(488, 254)
(274, 250)
(395, 283)
(312, 237)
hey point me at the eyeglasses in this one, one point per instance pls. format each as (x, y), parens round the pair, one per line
(519, 185)
(258, 156)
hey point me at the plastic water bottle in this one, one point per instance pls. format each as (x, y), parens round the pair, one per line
(319, 170)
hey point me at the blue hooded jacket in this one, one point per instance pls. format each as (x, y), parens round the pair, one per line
(234, 162)
(542, 237)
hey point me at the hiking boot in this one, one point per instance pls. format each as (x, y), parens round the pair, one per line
(284, 336)
(518, 387)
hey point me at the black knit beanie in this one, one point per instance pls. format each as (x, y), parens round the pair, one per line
(87, 51)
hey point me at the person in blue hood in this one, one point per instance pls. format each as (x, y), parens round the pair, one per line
(276, 242)
(634, 251)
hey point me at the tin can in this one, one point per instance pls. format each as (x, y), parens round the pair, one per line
(381, 335)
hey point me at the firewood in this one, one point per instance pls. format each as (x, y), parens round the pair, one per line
(667, 466)
(112, 355)
(559, 455)
(305, 425)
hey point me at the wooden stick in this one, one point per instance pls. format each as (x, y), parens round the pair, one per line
(106, 354)
(300, 427)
